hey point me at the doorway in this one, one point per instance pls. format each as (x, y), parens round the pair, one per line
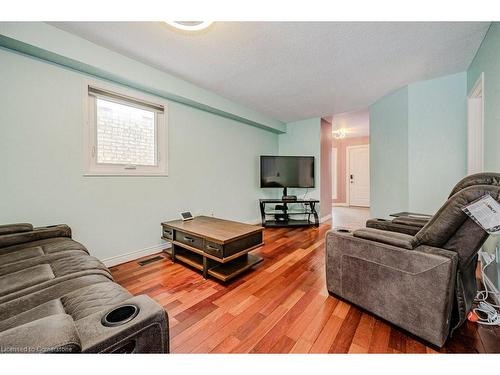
(475, 127)
(358, 175)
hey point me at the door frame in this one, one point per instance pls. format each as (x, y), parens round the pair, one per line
(475, 127)
(335, 173)
(347, 174)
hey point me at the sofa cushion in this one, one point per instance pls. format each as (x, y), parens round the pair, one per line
(50, 270)
(22, 254)
(25, 278)
(47, 246)
(26, 301)
(46, 309)
(51, 334)
(93, 298)
(36, 234)
(15, 228)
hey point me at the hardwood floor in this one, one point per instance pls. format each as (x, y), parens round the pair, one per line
(282, 306)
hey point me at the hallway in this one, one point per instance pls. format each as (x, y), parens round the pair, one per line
(350, 217)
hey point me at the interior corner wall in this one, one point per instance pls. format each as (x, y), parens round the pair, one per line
(437, 140)
(389, 154)
(303, 138)
(418, 138)
(326, 169)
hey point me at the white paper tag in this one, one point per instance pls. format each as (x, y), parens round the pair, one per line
(485, 211)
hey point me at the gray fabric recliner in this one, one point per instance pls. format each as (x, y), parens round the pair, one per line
(55, 297)
(411, 225)
(425, 283)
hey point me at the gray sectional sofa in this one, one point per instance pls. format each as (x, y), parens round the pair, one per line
(55, 297)
(424, 283)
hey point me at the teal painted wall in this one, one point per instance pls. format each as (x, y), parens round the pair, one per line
(418, 145)
(303, 138)
(389, 154)
(487, 60)
(437, 140)
(213, 164)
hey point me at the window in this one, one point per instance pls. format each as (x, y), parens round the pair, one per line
(126, 135)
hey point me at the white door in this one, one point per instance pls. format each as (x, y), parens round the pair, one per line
(358, 175)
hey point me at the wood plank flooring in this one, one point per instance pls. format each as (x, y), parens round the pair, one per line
(282, 306)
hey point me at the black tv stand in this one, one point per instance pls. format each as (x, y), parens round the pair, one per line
(287, 197)
(286, 211)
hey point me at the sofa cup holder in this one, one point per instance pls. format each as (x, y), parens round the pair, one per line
(120, 315)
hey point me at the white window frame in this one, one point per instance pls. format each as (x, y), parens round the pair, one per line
(92, 168)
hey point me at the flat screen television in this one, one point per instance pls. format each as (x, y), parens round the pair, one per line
(287, 171)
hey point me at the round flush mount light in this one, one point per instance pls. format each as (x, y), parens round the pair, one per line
(189, 25)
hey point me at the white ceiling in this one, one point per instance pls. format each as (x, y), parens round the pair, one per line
(356, 123)
(296, 70)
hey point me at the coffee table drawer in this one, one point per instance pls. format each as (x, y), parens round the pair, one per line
(168, 233)
(214, 249)
(189, 239)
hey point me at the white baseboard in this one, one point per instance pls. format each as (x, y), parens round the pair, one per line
(340, 205)
(119, 259)
(254, 222)
(325, 218)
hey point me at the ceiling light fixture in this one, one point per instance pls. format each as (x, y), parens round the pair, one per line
(340, 133)
(189, 25)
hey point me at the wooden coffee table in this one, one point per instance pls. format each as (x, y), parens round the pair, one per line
(219, 248)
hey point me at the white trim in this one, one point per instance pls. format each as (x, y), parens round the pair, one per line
(340, 205)
(325, 218)
(119, 259)
(347, 177)
(335, 172)
(475, 127)
(91, 168)
(254, 222)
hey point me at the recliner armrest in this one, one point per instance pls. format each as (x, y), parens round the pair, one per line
(411, 221)
(147, 332)
(15, 228)
(389, 238)
(40, 233)
(52, 334)
(391, 226)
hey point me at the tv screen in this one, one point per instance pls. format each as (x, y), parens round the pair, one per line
(287, 171)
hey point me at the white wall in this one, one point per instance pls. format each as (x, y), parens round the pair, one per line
(213, 165)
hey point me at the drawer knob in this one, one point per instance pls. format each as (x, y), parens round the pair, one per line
(188, 239)
(212, 247)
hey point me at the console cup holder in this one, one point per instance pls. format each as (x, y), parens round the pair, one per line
(343, 230)
(120, 315)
